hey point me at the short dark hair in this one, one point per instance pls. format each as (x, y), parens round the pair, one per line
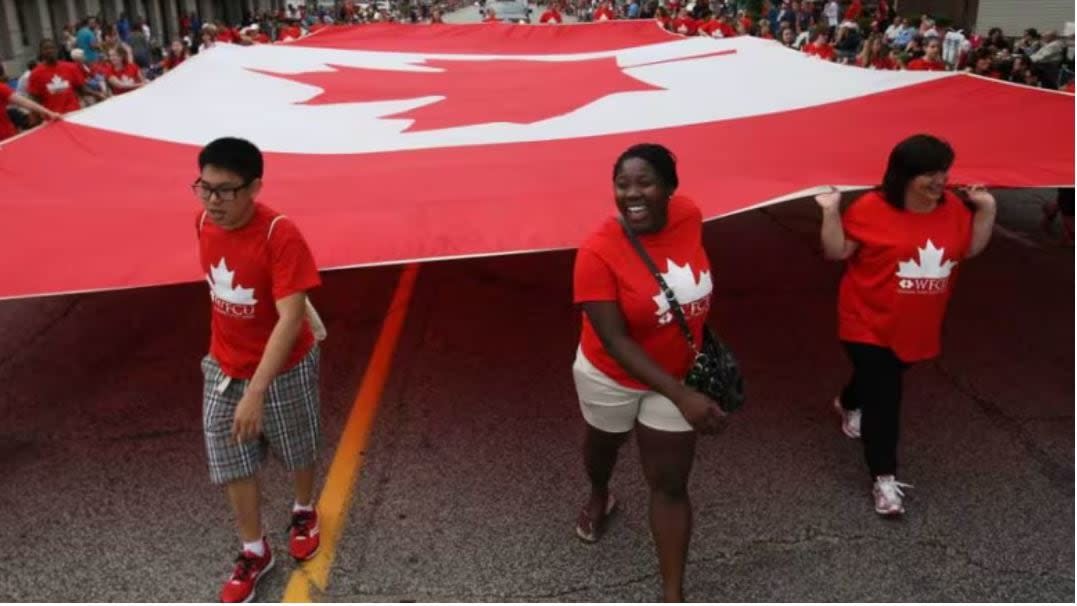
(235, 155)
(915, 156)
(658, 156)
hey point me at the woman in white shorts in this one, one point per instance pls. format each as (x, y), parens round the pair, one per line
(633, 357)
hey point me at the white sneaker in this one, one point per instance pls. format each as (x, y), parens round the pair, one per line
(888, 496)
(850, 420)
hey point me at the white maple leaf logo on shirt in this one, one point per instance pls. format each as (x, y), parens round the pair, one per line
(220, 284)
(682, 280)
(930, 265)
(57, 84)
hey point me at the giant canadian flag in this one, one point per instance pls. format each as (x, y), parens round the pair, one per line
(390, 143)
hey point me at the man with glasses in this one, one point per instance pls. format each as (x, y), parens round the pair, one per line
(261, 374)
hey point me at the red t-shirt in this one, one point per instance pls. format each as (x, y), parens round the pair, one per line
(896, 286)
(491, 19)
(717, 29)
(56, 86)
(7, 128)
(885, 63)
(550, 16)
(853, 13)
(685, 25)
(923, 65)
(604, 14)
(248, 270)
(172, 61)
(609, 269)
(823, 51)
(128, 75)
(291, 31)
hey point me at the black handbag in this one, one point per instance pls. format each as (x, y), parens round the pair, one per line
(715, 371)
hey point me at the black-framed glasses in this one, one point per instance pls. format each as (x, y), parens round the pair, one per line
(224, 194)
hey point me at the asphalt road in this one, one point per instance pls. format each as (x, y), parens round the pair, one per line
(472, 474)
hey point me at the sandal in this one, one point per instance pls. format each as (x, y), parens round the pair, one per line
(590, 530)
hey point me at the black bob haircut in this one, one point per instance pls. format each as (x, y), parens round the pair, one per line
(658, 156)
(234, 155)
(915, 156)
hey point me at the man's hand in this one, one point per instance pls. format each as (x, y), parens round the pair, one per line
(247, 424)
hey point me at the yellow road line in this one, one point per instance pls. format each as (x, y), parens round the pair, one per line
(336, 495)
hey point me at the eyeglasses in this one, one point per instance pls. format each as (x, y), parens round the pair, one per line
(224, 194)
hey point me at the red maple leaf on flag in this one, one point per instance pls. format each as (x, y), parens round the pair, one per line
(475, 92)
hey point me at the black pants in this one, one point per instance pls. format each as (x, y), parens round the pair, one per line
(875, 390)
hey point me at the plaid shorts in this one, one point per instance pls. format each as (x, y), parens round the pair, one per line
(289, 423)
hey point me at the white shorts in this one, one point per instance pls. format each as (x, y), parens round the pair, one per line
(611, 407)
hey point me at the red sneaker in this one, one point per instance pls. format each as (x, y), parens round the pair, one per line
(303, 535)
(249, 569)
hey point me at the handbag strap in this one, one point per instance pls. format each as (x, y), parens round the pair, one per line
(674, 306)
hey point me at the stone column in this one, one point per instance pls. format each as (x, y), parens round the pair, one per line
(10, 35)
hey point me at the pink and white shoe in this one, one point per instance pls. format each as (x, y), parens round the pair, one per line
(850, 420)
(888, 496)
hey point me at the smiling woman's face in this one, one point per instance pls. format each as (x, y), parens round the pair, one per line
(642, 198)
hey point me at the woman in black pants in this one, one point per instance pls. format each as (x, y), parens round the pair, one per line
(902, 244)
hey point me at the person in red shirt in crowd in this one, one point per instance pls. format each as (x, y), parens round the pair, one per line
(882, 14)
(604, 13)
(932, 59)
(122, 75)
(491, 16)
(717, 27)
(902, 245)
(684, 24)
(821, 47)
(226, 34)
(552, 15)
(291, 31)
(661, 15)
(177, 53)
(876, 55)
(633, 355)
(856, 7)
(261, 374)
(983, 64)
(257, 36)
(789, 37)
(57, 84)
(10, 97)
(744, 19)
(710, 27)
(764, 30)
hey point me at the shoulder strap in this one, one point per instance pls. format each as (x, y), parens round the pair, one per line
(674, 306)
(273, 224)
